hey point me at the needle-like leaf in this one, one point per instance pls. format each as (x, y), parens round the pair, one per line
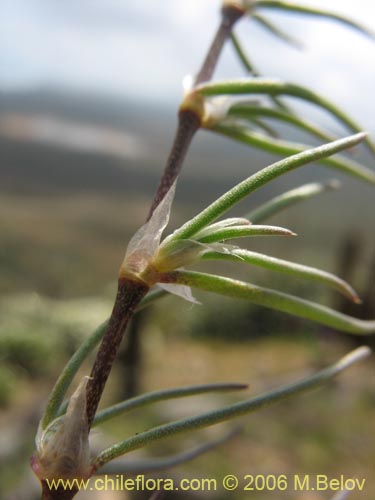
(249, 67)
(55, 406)
(276, 87)
(233, 232)
(274, 300)
(287, 267)
(143, 466)
(68, 373)
(290, 198)
(248, 111)
(288, 6)
(275, 30)
(257, 180)
(285, 148)
(231, 221)
(261, 125)
(247, 64)
(162, 395)
(236, 410)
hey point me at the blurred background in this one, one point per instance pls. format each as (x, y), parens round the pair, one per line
(88, 99)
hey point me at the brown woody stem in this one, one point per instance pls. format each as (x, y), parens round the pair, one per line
(229, 16)
(129, 295)
(189, 121)
(188, 124)
(58, 493)
(130, 292)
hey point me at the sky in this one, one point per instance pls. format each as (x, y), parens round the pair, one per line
(142, 49)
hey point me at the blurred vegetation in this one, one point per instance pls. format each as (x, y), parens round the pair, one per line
(59, 258)
(328, 432)
(64, 221)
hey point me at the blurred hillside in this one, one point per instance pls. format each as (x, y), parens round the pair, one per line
(46, 161)
(74, 166)
(78, 171)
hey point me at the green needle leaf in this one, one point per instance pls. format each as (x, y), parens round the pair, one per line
(290, 198)
(67, 375)
(232, 232)
(236, 410)
(260, 124)
(275, 30)
(287, 267)
(232, 221)
(304, 9)
(275, 87)
(162, 395)
(165, 462)
(54, 405)
(257, 180)
(273, 300)
(249, 67)
(248, 111)
(280, 147)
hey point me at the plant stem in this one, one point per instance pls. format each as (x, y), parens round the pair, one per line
(129, 295)
(188, 124)
(188, 121)
(229, 16)
(58, 493)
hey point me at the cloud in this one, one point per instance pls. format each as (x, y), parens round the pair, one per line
(72, 135)
(143, 48)
(117, 47)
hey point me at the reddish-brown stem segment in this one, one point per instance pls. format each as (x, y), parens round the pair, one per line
(58, 493)
(130, 292)
(229, 16)
(188, 124)
(188, 121)
(129, 295)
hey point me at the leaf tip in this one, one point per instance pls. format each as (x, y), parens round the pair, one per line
(241, 386)
(358, 354)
